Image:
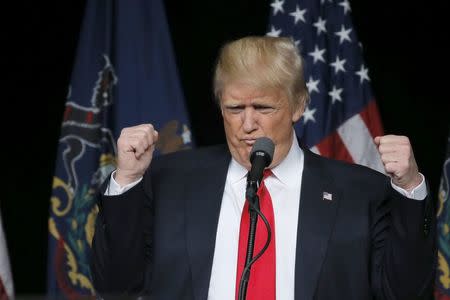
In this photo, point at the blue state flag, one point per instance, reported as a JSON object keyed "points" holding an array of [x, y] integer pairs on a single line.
{"points": [[342, 117], [442, 291], [124, 74]]}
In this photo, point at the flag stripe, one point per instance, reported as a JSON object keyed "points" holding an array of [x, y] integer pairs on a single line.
{"points": [[315, 150], [371, 118], [3, 293], [5, 268], [358, 140], [332, 146]]}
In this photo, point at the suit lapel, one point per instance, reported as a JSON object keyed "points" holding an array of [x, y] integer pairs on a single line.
{"points": [[316, 220], [203, 201]]}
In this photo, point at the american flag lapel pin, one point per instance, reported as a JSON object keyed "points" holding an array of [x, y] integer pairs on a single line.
{"points": [[327, 196]]}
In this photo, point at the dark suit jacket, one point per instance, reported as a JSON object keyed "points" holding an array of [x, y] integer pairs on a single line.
{"points": [[369, 242]]}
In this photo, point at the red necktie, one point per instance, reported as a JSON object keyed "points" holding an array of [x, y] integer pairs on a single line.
{"points": [[261, 285]]}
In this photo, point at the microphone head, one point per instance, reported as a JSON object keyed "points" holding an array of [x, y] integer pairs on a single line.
{"points": [[263, 147]]}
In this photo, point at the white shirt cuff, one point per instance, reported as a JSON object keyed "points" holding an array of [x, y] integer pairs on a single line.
{"points": [[114, 189], [418, 193]]}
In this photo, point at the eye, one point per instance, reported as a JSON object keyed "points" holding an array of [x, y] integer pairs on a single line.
{"points": [[264, 109], [235, 109]]}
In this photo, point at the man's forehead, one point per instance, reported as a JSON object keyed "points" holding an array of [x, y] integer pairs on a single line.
{"points": [[240, 92]]}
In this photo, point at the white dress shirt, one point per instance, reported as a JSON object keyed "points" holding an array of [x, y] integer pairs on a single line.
{"points": [[284, 187]]}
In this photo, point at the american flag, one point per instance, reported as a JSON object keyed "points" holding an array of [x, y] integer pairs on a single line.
{"points": [[342, 117], [327, 196]]}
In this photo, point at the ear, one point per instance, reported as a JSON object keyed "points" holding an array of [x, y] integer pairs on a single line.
{"points": [[219, 105], [221, 108], [298, 110]]}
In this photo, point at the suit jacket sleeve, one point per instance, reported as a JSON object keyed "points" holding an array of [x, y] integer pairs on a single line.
{"points": [[122, 242], [403, 246]]}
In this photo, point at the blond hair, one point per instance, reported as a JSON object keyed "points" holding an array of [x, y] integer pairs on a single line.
{"points": [[263, 62]]}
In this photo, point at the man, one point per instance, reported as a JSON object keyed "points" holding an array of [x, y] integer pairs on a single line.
{"points": [[170, 228]]}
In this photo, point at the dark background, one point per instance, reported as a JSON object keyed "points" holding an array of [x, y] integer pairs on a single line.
{"points": [[403, 48]]}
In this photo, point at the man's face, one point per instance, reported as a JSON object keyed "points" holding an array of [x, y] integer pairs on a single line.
{"points": [[250, 113]]}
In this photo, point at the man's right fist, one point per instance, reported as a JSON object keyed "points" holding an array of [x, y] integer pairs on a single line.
{"points": [[135, 148]]}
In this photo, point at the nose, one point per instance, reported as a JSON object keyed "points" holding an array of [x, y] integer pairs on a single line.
{"points": [[249, 120]]}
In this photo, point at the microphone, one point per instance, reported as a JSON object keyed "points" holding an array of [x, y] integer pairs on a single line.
{"points": [[260, 157]]}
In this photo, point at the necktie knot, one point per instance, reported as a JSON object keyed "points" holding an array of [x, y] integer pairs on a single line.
{"points": [[267, 173]]}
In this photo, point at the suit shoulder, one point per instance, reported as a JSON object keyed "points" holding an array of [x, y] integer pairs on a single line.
{"points": [[342, 171], [192, 158]]}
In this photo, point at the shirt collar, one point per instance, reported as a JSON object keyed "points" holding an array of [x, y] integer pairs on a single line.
{"points": [[236, 171], [290, 165]]}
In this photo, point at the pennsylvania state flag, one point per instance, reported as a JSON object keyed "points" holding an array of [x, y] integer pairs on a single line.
{"points": [[442, 291], [124, 74]]}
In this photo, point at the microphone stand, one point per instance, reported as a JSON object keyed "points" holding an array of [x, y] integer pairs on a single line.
{"points": [[250, 194]]}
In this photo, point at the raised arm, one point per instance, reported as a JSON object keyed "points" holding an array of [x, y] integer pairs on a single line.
{"points": [[122, 238], [403, 230]]}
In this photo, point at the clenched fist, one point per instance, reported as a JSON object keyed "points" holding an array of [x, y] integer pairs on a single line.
{"points": [[398, 160], [135, 148]]}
